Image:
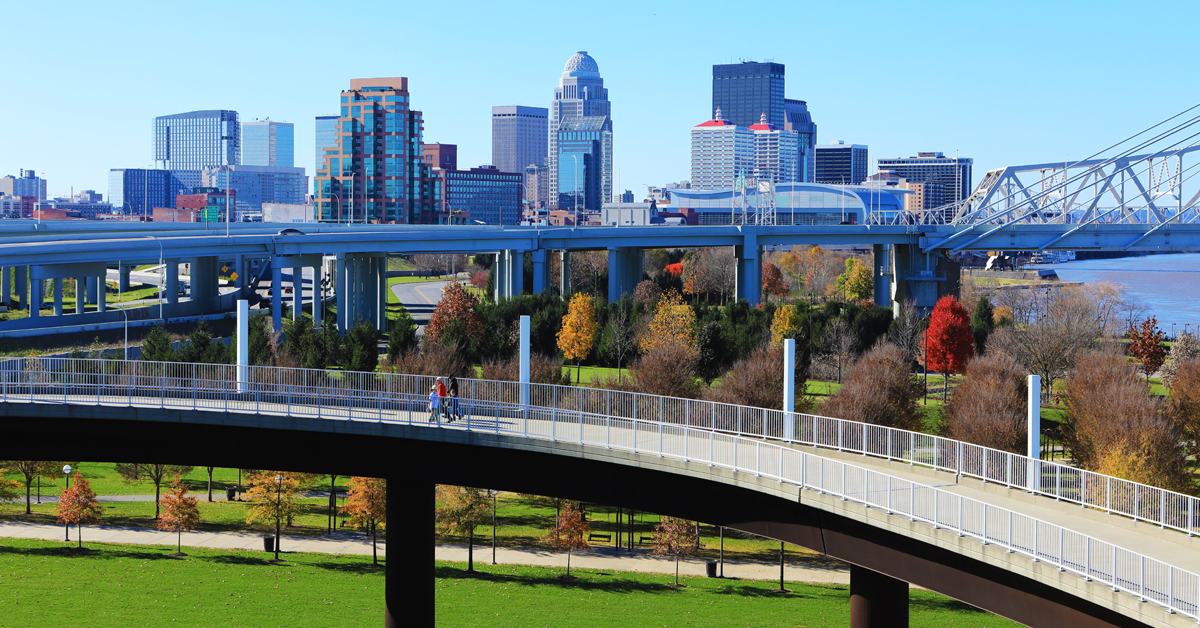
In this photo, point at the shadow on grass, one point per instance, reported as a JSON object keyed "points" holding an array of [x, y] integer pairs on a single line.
{"points": [[941, 604], [760, 589], [582, 582], [103, 552]]}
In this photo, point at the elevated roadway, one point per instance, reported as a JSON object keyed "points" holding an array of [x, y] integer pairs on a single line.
{"points": [[1036, 560]]}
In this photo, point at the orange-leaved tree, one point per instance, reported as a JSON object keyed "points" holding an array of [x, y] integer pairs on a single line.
{"points": [[673, 324], [950, 343], [461, 509], [675, 537], [1146, 345], [273, 498], [155, 472], [783, 324], [32, 469], [568, 532], [78, 505], [457, 309], [772, 281], [578, 332], [367, 507], [179, 512], [9, 488]]}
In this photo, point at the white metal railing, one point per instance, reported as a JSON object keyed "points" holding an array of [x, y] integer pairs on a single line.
{"points": [[401, 399], [1167, 509]]}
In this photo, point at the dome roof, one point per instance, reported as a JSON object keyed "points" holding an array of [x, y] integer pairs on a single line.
{"points": [[581, 62]]}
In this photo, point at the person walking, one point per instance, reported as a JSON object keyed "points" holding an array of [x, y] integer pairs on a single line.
{"points": [[455, 410], [441, 391], [434, 404]]}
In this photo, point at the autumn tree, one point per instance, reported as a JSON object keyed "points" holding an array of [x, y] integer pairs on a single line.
{"points": [[646, 293], [878, 390], [156, 473], [32, 469], [839, 345], [1185, 348], [1184, 404], [905, 330], [568, 532], [949, 343], [783, 324], [458, 309], [78, 505], [1050, 333], [1146, 345], [856, 282], [9, 488], [988, 407], [674, 324], [578, 332], [791, 264], [621, 339], [773, 283], [273, 498], [817, 270], [179, 512], [367, 506], [675, 537], [461, 509]]}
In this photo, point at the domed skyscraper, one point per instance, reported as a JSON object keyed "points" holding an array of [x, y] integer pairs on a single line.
{"points": [[580, 133]]}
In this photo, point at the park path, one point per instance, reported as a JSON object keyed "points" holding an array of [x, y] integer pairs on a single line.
{"points": [[604, 559]]}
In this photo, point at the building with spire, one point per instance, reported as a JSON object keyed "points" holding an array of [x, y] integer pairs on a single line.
{"points": [[776, 152], [580, 155], [722, 151]]}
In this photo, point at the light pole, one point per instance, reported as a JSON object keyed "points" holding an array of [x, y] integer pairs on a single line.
{"points": [[339, 205], [575, 184], [67, 474], [493, 493], [278, 489]]}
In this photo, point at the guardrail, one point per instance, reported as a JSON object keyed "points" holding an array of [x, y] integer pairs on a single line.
{"points": [[1167, 509], [372, 397]]}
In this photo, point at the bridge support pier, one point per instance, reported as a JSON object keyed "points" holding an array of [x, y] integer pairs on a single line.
{"points": [[876, 600], [5, 290], [123, 277], [276, 298], [541, 276], [35, 297], [409, 586], [22, 287], [749, 270], [882, 273], [205, 277], [564, 273], [624, 271], [922, 277], [508, 274], [58, 296], [172, 281]]}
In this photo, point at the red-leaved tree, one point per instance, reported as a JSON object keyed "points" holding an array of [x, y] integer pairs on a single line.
{"points": [[179, 512], [773, 283], [568, 532], [1146, 345], [78, 505], [458, 308], [949, 341]]}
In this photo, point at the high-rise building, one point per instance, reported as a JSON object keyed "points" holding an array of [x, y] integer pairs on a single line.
{"points": [[255, 185], [268, 143], [483, 194], [444, 156], [580, 137], [326, 135], [775, 152], [952, 172], [28, 184], [744, 91], [137, 191], [519, 137], [721, 150], [376, 172], [624, 197], [839, 163], [798, 119], [537, 186], [197, 140]]}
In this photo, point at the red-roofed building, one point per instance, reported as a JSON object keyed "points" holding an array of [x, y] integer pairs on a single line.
{"points": [[721, 151]]}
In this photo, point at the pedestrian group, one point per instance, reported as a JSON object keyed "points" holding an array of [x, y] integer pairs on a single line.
{"points": [[443, 400]]}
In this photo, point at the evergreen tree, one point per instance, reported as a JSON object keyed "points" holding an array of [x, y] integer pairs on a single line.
{"points": [[362, 348], [157, 346], [403, 336], [982, 323]]}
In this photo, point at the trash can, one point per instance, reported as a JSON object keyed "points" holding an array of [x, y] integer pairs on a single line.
{"points": [[231, 493], [710, 568], [268, 543]]}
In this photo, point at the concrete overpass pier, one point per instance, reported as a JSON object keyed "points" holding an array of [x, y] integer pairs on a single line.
{"points": [[624, 271], [877, 600], [748, 257], [409, 589], [508, 274], [361, 286]]}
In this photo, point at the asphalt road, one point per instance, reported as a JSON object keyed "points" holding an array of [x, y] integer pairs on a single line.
{"points": [[419, 298]]}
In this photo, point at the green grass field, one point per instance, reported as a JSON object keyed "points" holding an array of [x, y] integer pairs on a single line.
{"points": [[46, 583]]}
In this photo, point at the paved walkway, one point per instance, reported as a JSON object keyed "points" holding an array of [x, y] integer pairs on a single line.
{"points": [[606, 559]]}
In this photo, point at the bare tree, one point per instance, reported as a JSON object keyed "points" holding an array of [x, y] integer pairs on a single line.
{"points": [[839, 345], [905, 331], [879, 391], [622, 340], [988, 407], [1059, 327]]}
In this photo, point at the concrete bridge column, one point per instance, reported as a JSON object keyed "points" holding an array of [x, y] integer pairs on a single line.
{"points": [[276, 298], [239, 267], [80, 294], [95, 292], [370, 291], [382, 282], [882, 274], [205, 277], [541, 278], [502, 275], [297, 292], [922, 277], [624, 271], [171, 286], [340, 286], [564, 273], [317, 303], [58, 297], [749, 275], [35, 297], [876, 600], [123, 277], [5, 286], [409, 575], [22, 273], [516, 261]]}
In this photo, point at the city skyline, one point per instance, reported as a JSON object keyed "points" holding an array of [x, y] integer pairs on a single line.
{"points": [[1075, 112]]}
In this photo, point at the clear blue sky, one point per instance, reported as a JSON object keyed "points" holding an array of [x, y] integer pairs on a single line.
{"points": [[1008, 83]]}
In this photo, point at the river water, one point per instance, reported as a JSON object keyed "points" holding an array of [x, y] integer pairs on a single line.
{"points": [[1167, 285]]}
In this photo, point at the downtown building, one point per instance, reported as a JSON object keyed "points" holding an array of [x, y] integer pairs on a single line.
{"points": [[137, 191], [723, 152], [839, 163], [375, 173], [187, 143], [326, 138], [483, 195], [268, 143], [519, 142], [953, 173], [254, 185], [27, 184], [749, 91], [580, 159]]}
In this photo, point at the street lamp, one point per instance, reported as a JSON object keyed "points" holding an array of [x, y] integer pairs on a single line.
{"points": [[339, 205], [67, 473], [278, 489], [493, 493]]}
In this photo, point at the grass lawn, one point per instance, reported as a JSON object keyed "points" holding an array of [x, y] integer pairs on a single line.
{"points": [[44, 583]]}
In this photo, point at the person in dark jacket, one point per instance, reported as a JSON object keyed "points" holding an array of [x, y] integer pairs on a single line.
{"points": [[454, 409]]}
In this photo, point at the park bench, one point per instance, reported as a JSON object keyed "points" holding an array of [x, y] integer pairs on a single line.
{"points": [[645, 539], [607, 538]]}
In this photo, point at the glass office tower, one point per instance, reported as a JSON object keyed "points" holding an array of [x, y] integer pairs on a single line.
{"points": [[326, 138], [268, 143], [197, 140], [137, 191], [952, 172], [581, 115], [744, 91]]}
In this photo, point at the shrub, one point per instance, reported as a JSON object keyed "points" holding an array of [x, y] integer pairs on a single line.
{"points": [[542, 370], [878, 390], [758, 381], [668, 370], [435, 358], [989, 406], [1185, 403], [1185, 348]]}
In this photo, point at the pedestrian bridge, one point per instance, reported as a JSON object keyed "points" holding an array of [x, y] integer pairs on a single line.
{"points": [[1038, 542]]}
